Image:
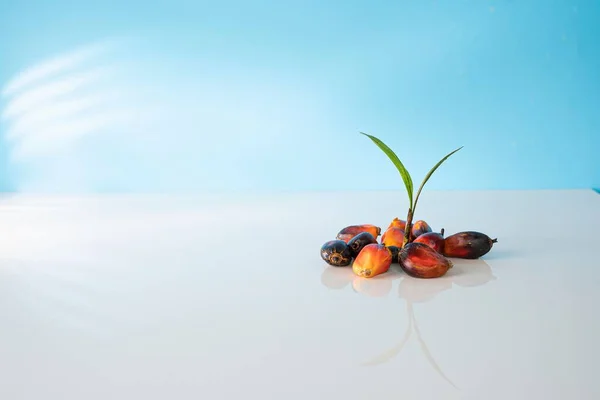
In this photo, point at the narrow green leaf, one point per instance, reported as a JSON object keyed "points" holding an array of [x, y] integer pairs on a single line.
{"points": [[403, 172], [432, 171]]}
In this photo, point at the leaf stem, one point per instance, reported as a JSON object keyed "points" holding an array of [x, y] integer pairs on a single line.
{"points": [[408, 227]]}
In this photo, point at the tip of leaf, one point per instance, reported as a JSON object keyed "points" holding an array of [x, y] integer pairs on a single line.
{"points": [[454, 151]]}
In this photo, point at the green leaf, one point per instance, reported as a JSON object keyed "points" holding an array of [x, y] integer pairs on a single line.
{"points": [[403, 172], [432, 171]]}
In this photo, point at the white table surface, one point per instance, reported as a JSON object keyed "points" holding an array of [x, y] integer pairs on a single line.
{"points": [[175, 297]]}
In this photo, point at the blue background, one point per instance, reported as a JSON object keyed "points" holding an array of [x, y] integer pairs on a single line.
{"points": [[271, 95]]}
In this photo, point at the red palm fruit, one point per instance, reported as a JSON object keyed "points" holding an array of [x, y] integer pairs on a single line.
{"points": [[359, 241], [393, 237], [398, 223], [468, 244], [432, 239], [419, 228], [421, 261], [373, 259], [350, 231]]}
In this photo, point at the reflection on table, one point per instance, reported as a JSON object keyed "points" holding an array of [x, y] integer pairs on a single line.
{"points": [[465, 273]]}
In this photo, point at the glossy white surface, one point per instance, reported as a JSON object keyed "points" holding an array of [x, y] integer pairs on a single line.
{"points": [[158, 297]]}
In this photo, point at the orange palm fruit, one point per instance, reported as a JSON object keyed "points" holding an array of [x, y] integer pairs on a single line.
{"points": [[421, 261], [398, 223], [350, 231], [373, 259], [419, 228], [393, 237]]}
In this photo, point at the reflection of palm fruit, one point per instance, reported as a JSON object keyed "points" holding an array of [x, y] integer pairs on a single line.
{"points": [[373, 259], [419, 228], [350, 231], [372, 287], [480, 273], [422, 290], [398, 223], [393, 237], [468, 245], [336, 278], [359, 241], [421, 261], [336, 253], [432, 239]]}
